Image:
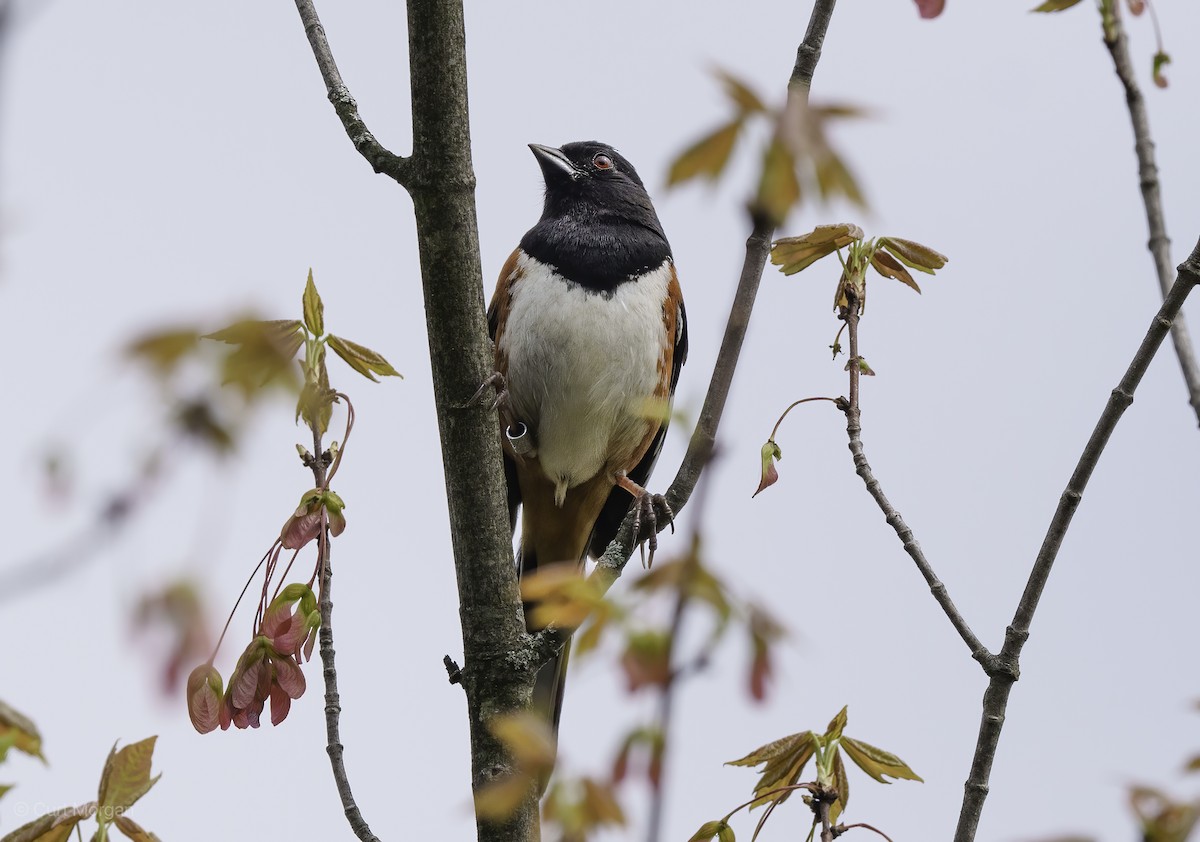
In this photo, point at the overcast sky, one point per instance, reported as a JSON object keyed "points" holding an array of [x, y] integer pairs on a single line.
{"points": [[166, 163]]}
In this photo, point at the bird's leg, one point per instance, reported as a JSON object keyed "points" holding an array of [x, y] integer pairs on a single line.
{"points": [[648, 509], [495, 381]]}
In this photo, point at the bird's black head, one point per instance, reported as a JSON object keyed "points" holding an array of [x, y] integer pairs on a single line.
{"points": [[598, 226]]}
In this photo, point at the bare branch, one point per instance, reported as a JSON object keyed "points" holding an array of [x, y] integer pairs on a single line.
{"points": [[758, 246], [863, 468], [380, 159], [333, 701], [1159, 244], [1006, 669]]}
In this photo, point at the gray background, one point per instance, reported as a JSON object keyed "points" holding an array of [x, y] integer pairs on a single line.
{"points": [[168, 162]]}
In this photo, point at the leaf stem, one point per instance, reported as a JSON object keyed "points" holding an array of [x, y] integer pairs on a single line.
{"points": [[795, 404]]}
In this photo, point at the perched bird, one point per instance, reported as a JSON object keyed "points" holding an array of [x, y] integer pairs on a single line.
{"points": [[590, 334]]}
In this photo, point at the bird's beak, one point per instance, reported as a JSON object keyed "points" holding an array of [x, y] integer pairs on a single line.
{"points": [[554, 163]]}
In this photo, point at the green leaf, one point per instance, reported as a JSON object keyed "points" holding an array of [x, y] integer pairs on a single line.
{"points": [[778, 186], [4, 789], [1055, 5], [1161, 60], [52, 827], [725, 834], [19, 732], [314, 308], [743, 97], [842, 783], [793, 254], [255, 330], [712, 830], [914, 255], [890, 267], [785, 760], [126, 775], [164, 350], [770, 474], [876, 762], [362, 359], [706, 157], [836, 726], [834, 177], [134, 831]]}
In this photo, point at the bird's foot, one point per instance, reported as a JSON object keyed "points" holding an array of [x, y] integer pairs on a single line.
{"points": [[648, 511], [494, 381]]}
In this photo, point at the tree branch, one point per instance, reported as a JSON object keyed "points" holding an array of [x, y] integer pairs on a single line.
{"points": [[333, 702], [863, 468], [1159, 244], [610, 565], [497, 675], [995, 698], [380, 159]]}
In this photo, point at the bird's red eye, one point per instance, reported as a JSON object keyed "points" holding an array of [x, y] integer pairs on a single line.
{"points": [[602, 162]]}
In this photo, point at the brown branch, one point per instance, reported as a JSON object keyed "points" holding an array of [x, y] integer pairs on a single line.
{"points": [[380, 159], [610, 565], [1006, 669], [1159, 244], [333, 701], [863, 468], [497, 673]]}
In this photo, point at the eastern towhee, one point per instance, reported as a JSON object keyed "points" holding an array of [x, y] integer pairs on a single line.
{"points": [[590, 334]]}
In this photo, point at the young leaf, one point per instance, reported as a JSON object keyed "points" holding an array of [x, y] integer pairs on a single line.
{"points": [[743, 97], [876, 762], [165, 349], [126, 775], [1161, 60], [791, 254], [1055, 5], [785, 760], [834, 177], [254, 330], [20, 732], [528, 737], [707, 157], [133, 830], [708, 831], [314, 308], [890, 267], [842, 783], [914, 255], [770, 474], [836, 725], [52, 827], [778, 186], [362, 359], [929, 9]]}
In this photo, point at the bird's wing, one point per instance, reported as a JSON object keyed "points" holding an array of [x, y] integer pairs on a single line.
{"points": [[497, 317]]}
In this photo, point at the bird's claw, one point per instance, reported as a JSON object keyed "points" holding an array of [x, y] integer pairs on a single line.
{"points": [[648, 510], [495, 381]]}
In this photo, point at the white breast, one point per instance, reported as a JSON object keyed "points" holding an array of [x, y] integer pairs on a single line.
{"points": [[582, 365]]}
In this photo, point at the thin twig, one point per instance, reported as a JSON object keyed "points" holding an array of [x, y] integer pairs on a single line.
{"points": [[1160, 245], [842, 828], [333, 702], [1006, 671], [666, 701], [380, 159], [610, 565], [822, 807], [863, 468]]}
